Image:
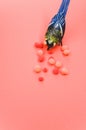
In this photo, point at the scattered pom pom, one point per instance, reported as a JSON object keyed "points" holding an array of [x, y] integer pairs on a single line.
{"points": [[58, 64], [38, 45], [41, 45], [40, 52], [41, 79], [37, 69], [51, 61], [66, 52], [64, 71], [55, 71], [41, 58], [45, 70]]}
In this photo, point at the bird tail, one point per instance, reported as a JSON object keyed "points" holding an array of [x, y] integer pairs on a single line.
{"points": [[64, 7]]}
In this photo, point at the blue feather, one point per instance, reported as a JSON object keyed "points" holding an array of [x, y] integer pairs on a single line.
{"points": [[63, 8], [60, 16]]}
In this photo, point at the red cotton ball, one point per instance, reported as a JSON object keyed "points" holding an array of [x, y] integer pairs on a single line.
{"points": [[58, 64], [38, 45], [41, 58], [40, 52], [55, 71], [41, 79], [41, 45], [64, 71], [37, 69], [51, 61], [66, 52], [45, 70]]}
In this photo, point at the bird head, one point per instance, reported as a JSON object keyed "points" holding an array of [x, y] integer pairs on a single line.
{"points": [[52, 36], [51, 40]]}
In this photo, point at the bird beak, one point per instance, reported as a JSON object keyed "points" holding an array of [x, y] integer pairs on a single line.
{"points": [[54, 44]]}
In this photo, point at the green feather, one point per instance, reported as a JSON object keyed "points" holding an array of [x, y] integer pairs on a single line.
{"points": [[53, 36]]}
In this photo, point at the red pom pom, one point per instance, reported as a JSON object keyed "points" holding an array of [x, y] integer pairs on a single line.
{"points": [[41, 79], [51, 61], [66, 52], [41, 45], [40, 52], [58, 64], [64, 71], [55, 71], [41, 58], [38, 45], [37, 68], [45, 70]]}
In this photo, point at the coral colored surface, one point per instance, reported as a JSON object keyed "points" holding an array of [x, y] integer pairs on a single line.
{"points": [[57, 103]]}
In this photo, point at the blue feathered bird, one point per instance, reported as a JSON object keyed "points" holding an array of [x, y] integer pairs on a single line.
{"points": [[56, 28]]}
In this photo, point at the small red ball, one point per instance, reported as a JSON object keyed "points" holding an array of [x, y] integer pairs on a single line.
{"points": [[58, 64], [45, 70], [38, 45], [37, 69], [41, 58], [66, 52], [51, 60], [41, 45], [40, 52], [55, 71], [41, 79], [64, 71]]}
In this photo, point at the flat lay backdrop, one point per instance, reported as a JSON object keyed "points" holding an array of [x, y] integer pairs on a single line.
{"points": [[59, 103]]}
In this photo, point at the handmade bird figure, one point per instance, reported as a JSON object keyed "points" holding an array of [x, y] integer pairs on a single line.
{"points": [[56, 28]]}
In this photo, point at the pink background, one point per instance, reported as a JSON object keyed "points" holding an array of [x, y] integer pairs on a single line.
{"points": [[59, 103]]}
